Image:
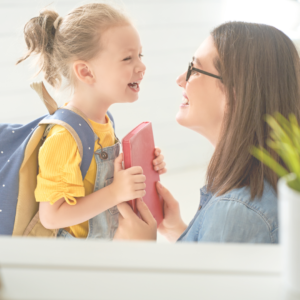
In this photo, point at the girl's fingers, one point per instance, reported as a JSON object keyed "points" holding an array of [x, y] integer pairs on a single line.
{"points": [[139, 186], [139, 178], [160, 166], [158, 160], [163, 171], [157, 151], [139, 194], [135, 170]]}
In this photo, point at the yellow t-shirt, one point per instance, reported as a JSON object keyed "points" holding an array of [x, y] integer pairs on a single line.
{"points": [[59, 172]]}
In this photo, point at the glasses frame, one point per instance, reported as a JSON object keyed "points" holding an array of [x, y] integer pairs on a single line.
{"points": [[191, 69]]}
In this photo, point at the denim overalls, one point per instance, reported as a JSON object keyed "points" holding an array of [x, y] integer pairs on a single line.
{"points": [[104, 225]]}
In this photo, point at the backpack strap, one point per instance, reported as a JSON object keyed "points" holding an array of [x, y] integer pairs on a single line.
{"points": [[45, 97], [79, 128]]}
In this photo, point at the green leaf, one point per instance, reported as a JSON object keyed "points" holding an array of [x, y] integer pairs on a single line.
{"points": [[265, 157]]}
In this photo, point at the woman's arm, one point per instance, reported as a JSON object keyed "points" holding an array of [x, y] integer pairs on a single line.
{"points": [[127, 184], [172, 225]]}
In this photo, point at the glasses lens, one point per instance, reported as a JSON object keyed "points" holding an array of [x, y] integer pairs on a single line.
{"points": [[188, 74]]}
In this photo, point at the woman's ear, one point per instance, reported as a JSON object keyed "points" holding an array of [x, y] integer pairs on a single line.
{"points": [[83, 72]]}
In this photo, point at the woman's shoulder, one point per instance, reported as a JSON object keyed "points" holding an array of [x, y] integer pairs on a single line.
{"points": [[264, 207], [234, 217]]}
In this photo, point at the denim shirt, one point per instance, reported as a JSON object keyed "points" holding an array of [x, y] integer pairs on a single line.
{"points": [[234, 217]]}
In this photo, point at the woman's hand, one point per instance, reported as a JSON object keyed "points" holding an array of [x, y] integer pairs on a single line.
{"points": [[131, 227], [158, 163], [172, 225]]}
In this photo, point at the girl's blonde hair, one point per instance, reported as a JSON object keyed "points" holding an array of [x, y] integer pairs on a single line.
{"points": [[60, 41]]}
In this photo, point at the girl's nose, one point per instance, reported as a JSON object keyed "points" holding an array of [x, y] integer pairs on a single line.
{"points": [[181, 80], [141, 68]]}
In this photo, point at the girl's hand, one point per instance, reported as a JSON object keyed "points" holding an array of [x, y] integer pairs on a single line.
{"points": [[127, 184], [131, 227], [172, 225], [158, 163]]}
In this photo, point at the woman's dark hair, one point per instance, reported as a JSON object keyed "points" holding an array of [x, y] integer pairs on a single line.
{"points": [[260, 71]]}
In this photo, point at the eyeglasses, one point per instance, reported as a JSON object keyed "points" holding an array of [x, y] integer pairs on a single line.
{"points": [[191, 69]]}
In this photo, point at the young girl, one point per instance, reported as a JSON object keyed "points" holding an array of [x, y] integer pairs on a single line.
{"points": [[98, 51]]}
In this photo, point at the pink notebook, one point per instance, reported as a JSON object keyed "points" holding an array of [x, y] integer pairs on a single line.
{"points": [[138, 148]]}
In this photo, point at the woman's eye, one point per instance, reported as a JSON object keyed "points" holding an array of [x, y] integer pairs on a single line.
{"points": [[127, 58], [141, 55]]}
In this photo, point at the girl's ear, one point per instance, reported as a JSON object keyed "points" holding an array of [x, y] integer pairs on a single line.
{"points": [[83, 72]]}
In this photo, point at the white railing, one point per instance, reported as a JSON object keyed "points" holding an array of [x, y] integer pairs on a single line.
{"points": [[57, 269]]}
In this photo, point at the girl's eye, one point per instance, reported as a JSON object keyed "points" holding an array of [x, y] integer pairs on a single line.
{"points": [[129, 57]]}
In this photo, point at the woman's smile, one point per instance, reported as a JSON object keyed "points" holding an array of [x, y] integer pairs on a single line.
{"points": [[185, 100]]}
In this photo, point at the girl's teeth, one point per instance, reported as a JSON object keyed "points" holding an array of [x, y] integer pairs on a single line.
{"points": [[133, 85]]}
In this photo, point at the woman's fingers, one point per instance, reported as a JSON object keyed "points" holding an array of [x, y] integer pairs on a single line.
{"points": [[166, 195], [125, 210], [145, 212]]}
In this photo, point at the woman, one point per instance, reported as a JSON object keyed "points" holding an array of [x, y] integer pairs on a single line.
{"points": [[241, 72]]}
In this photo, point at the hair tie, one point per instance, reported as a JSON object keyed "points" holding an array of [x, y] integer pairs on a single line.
{"points": [[56, 22]]}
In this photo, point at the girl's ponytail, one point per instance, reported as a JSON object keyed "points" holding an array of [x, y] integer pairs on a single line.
{"points": [[39, 33]]}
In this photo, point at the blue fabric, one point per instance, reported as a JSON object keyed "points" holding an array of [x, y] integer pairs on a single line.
{"points": [[13, 142], [233, 217]]}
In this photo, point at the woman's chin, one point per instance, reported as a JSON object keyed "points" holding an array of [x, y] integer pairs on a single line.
{"points": [[182, 117]]}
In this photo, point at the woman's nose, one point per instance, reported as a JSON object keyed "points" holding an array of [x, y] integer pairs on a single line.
{"points": [[181, 80]]}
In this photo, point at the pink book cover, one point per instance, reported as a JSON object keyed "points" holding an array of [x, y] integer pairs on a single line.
{"points": [[138, 148]]}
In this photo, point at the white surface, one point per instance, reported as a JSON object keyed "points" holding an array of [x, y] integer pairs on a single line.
{"points": [[51, 269], [289, 201]]}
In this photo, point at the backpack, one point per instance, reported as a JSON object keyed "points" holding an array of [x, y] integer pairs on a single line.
{"points": [[19, 148]]}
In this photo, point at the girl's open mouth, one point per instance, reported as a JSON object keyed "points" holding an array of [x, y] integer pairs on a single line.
{"points": [[134, 86]]}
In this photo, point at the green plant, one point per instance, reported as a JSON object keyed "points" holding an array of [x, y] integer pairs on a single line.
{"points": [[285, 141]]}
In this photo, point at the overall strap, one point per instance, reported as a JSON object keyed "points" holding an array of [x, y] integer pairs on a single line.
{"points": [[112, 119]]}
